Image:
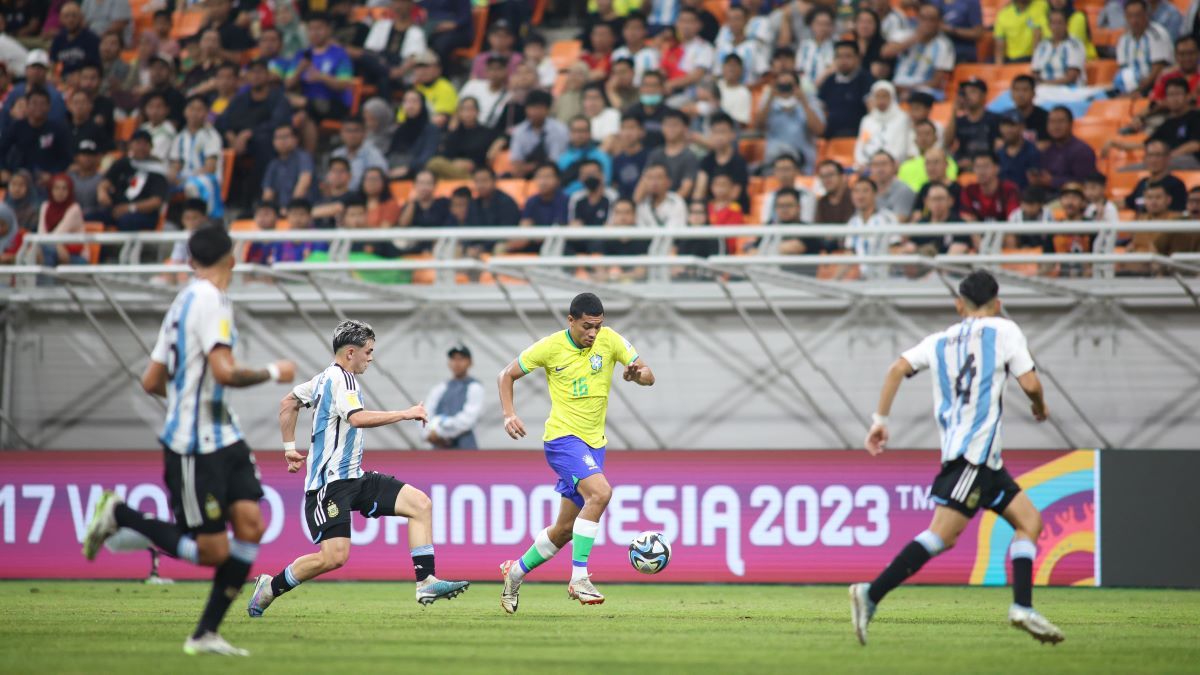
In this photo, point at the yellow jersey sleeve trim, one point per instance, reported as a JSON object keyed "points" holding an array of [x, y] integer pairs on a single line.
{"points": [[522, 365]]}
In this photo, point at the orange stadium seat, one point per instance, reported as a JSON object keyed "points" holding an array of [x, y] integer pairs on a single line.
{"points": [[941, 112], [245, 225], [1096, 131], [356, 95], [1105, 37], [998, 78], [753, 150], [479, 19], [1190, 178], [719, 8], [92, 251], [1122, 183], [124, 128], [400, 190], [840, 150], [1100, 71], [539, 10], [446, 187], [1027, 269], [503, 163], [1120, 109]]}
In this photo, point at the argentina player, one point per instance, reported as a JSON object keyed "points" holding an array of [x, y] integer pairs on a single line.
{"points": [[335, 483], [969, 363], [210, 472]]}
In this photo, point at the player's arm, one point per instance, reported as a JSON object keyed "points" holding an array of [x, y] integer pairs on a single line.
{"points": [[1032, 386], [227, 372], [877, 437], [154, 379], [511, 373], [289, 412], [639, 373], [369, 419]]}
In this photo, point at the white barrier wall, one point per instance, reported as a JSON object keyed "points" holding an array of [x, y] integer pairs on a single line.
{"points": [[716, 388]]}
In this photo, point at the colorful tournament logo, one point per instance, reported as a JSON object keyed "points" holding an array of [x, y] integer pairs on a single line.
{"points": [[1064, 490]]}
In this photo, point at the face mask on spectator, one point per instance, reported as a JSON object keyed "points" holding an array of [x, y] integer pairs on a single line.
{"points": [[591, 183], [651, 99]]}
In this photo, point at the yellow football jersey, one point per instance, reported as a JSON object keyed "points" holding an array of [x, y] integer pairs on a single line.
{"points": [[579, 380]]}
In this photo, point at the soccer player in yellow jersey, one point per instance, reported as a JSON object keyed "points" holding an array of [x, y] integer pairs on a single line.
{"points": [[579, 365]]}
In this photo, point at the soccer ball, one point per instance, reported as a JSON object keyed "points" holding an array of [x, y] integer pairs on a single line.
{"points": [[649, 552]]}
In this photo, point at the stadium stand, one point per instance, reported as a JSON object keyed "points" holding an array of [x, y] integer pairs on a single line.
{"points": [[154, 116]]}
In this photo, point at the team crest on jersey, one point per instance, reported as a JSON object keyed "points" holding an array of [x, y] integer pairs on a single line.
{"points": [[591, 463], [973, 499], [211, 508], [597, 362], [332, 509]]}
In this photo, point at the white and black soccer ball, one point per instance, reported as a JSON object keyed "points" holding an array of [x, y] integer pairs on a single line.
{"points": [[649, 552]]}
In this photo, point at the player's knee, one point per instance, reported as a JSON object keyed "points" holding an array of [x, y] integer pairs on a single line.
{"points": [[1033, 529], [422, 505], [213, 551], [334, 559], [600, 497], [251, 530]]}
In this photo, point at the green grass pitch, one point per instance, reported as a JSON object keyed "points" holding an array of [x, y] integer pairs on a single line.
{"points": [[112, 627]]}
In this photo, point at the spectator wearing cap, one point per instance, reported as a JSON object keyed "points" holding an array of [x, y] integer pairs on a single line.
{"points": [[1066, 158], [926, 55], [844, 93], [37, 76], [360, 155], [322, 75], [540, 138], [440, 95], [500, 42], [455, 405], [85, 174], [36, 143], [1033, 116], [75, 44], [290, 175], [133, 191], [12, 52], [162, 83], [248, 128], [974, 128], [1018, 27], [1018, 155]]}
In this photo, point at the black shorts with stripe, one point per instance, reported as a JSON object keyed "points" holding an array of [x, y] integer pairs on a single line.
{"points": [[327, 509], [966, 487], [203, 486]]}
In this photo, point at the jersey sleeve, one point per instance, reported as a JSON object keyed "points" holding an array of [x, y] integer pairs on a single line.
{"points": [[620, 349], [214, 321], [306, 392], [535, 356], [921, 356], [346, 398], [1016, 351]]}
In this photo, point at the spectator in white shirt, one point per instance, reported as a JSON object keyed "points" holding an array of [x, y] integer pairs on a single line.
{"points": [[644, 56], [926, 56], [814, 58], [491, 94], [736, 99], [1142, 52], [699, 56], [754, 55], [660, 207], [885, 127], [455, 405], [196, 150]]}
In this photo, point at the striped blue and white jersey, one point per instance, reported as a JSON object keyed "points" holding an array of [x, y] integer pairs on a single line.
{"points": [[644, 60], [1136, 55], [1052, 60], [199, 420], [813, 58], [663, 12], [920, 62], [193, 149], [754, 56], [336, 450], [970, 362]]}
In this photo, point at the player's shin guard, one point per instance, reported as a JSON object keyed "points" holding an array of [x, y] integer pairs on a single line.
{"points": [[542, 550], [912, 557], [283, 582], [422, 557], [583, 535], [227, 583], [164, 535], [1022, 552]]}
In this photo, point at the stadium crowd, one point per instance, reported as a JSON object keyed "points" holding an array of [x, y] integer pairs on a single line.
{"points": [[132, 115]]}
